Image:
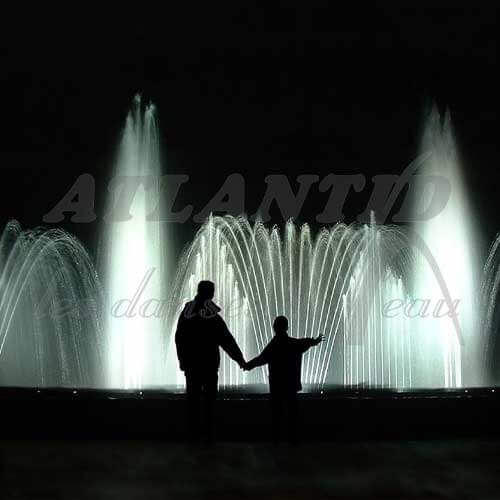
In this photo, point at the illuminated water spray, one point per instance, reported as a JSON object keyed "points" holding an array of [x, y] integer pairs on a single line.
{"points": [[333, 284], [135, 261], [337, 282], [341, 282], [451, 354], [50, 299]]}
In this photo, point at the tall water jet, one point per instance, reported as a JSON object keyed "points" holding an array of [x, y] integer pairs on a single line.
{"points": [[50, 299], [134, 258], [450, 350]]}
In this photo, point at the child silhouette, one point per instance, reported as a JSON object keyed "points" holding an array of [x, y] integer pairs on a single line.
{"points": [[283, 354]]}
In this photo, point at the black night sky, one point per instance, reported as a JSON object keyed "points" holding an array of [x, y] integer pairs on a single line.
{"points": [[255, 91]]}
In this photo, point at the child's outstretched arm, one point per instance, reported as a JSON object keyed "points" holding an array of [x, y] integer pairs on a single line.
{"points": [[307, 343], [262, 359]]}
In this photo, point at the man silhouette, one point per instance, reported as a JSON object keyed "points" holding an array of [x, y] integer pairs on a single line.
{"points": [[200, 333], [283, 354]]}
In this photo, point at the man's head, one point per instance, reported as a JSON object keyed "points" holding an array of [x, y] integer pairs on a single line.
{"points": [[280, 324], [206, 290]]}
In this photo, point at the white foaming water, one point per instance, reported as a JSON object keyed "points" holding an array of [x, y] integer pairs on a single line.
{"points": [[451, 352], [135, 260]]}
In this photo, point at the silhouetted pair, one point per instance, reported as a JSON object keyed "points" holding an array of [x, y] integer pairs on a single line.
{"points": [[200, 333]]}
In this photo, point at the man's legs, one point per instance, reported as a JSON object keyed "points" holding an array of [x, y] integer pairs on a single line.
{"points": [[210, 386], [193, 396]]}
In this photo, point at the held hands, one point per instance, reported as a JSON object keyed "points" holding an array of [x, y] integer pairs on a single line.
{"points": [[244, 365]]}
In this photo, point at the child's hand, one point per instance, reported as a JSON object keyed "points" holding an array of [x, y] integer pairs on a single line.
{"points": [[319, 339]]}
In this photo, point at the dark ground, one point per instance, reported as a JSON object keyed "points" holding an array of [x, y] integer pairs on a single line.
{"points": [[244, 416], [95, 444], [465, 469]]}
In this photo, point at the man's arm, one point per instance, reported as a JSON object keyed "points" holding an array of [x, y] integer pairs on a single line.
{"points": [[229, 344], [180, 340]]}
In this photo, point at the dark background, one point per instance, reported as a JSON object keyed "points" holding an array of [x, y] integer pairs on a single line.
{"points": [[257, 91]]}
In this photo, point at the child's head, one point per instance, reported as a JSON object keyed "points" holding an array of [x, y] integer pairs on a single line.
{"points": [[280, 324]]}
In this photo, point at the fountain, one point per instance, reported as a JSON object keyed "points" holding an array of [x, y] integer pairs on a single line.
{"points": [[341, 283], [50, 299], [490, 317], [334, 284], [134, 258], [451, 352], [357, 284]]}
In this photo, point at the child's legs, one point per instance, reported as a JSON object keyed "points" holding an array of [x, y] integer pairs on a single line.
{"points": [[292, 406], [278, 416]]}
